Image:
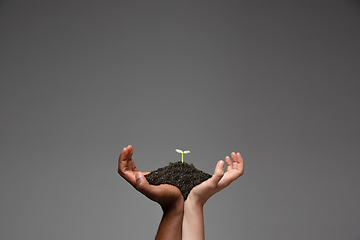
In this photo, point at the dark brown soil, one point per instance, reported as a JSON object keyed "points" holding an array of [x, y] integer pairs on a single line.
{"points": [[181, 175]]}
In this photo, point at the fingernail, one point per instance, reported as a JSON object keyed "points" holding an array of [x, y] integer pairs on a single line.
{"points": [[137, 175], [221, 164]]}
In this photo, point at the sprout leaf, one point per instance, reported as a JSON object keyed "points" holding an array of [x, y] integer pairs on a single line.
{"points": [[182, 153]]}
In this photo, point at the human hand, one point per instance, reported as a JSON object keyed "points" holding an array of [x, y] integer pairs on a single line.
{"points": [[202, 192], [169, 197]]}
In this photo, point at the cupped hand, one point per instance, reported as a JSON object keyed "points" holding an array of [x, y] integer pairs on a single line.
{"points": [[166, 195], [126, 165], [235, 168]]}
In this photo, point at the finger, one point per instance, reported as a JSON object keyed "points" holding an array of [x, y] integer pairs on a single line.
{"points": [[229, 163], [143, 186], [131, 164], [131, 150], [122, 160], [237, 157], [218, 172], [233, 157], [240, 165]]}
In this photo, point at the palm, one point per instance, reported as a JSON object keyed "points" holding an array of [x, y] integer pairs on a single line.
{"points": [[234, 170], [203, 191], [228, 178], [219, 180], [164, 194]]}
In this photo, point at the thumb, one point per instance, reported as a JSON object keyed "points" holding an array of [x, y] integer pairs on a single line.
{"points": [[143, 186], [219, 172]]}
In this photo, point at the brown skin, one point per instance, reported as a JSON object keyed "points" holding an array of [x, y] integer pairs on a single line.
{"points": [[168, 196]]}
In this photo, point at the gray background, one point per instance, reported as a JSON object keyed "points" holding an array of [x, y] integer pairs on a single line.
{"points": [[277, 81]]}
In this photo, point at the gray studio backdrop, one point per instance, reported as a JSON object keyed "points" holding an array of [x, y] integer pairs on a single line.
{"points": [[277, 81]]}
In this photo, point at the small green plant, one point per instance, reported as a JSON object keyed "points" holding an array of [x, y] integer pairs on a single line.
{"points": [[182, 153]]}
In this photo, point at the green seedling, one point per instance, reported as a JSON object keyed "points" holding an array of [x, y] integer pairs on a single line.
{"points": [[182, 153]]}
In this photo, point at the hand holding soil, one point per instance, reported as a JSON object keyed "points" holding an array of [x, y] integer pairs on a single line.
{"points": [[202, 192], [166, 195], [193, 221]]}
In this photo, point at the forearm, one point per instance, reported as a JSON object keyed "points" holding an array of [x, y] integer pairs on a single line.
{"points": [[171, 224], [193, 221]]}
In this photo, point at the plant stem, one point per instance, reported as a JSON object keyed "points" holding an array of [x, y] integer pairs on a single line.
{"points": [[182, 157]]}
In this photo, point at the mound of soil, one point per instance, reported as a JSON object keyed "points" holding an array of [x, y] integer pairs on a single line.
{"points": [[181, 175]]}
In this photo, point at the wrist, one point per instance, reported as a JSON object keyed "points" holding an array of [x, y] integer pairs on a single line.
{"points": [[193, 202], [176, 208]]}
